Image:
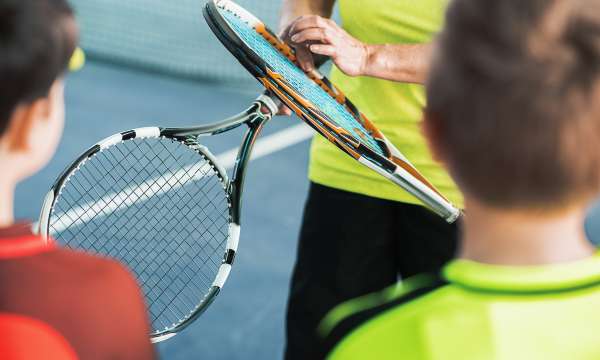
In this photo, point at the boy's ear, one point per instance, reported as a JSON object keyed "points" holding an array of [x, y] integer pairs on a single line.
{"points": [[23, 120], [432, 130]]}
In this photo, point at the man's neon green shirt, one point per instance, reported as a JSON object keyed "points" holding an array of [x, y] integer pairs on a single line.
{"points": [[395, 108], [476, 311]]}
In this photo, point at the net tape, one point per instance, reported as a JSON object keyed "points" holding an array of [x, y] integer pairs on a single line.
{"points": [[165, 36]]}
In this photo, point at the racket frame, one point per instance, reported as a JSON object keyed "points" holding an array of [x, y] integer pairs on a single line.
{"points": [[393, 166], [255, 117]]}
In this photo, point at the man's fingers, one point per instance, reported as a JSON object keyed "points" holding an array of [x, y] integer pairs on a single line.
{"points": [[306, 30], [305, 58], [285, 33], [284, 110], [313, 34], [309, 21], [327, 50]]}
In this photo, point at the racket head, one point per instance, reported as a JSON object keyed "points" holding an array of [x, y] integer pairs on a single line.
{"points": [[161, 206], [310, 95], [316, 100]]}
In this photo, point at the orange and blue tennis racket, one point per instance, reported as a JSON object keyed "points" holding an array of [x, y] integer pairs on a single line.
{"points": [[317, 101]]}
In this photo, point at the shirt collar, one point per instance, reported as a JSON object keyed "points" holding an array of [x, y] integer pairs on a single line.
{"points": [[525, 279], [19, 241]]}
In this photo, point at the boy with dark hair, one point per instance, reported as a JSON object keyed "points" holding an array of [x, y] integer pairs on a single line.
{"points": [[93, 303], [514, 114]]}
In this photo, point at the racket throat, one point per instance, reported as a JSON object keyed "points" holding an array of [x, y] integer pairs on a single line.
{"points": [[255, 124]]}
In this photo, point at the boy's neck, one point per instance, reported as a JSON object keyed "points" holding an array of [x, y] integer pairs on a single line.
{"points": [[7, 193], [505, 237]]}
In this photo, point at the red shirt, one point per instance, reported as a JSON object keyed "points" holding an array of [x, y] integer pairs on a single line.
{"points": [[93, 302]]}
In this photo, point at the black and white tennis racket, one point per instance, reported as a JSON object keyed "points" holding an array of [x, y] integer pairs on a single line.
{"points": [[160, 202]]}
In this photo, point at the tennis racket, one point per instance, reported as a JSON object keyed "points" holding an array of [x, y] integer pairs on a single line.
{"points": [[317, 101], [158, 201]]}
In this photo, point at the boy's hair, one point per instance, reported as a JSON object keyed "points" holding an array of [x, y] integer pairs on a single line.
{"points": [[514, 100], [35, 48]]}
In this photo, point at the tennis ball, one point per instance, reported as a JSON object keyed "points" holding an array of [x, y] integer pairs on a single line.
{"points": [[77, 60]]}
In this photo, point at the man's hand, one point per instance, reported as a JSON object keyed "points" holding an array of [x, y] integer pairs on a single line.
{"points": [[313, 34], [303, 54]]}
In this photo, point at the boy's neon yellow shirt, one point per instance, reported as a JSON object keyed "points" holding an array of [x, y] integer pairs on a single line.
{"points": [[395, 108], [476, 312]]}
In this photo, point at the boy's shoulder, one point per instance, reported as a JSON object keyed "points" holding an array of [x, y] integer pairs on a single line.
{"points": [[471, 308], [79, 290], [39, 261], [95, 271], [39, 269], [370, 320], [89, 264]]}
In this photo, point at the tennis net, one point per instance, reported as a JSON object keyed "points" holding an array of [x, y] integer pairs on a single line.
{"points": [[166, 36]]}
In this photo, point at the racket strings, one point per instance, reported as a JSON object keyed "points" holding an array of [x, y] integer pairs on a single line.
{"points": [[298, 80], [109, 250], [159, 207]]}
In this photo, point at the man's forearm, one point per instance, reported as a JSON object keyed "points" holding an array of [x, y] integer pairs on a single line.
{"points": [[404, 63], [292, 9], [396, 62]]}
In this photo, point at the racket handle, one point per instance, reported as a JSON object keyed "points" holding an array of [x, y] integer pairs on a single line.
{"points": [[320, 60]]}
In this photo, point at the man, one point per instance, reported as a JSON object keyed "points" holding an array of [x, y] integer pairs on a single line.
{"points": [[93, 303], [514, 114], [379, 231]]}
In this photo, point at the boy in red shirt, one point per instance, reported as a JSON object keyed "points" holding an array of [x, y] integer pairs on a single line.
{"points": [[94, 303]]}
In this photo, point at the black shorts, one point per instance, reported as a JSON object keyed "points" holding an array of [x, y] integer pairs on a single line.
{"points": [[351, 245]]}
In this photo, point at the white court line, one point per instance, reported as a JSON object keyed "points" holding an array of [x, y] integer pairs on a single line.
{"points": [[135, 194], [270, 144]]}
